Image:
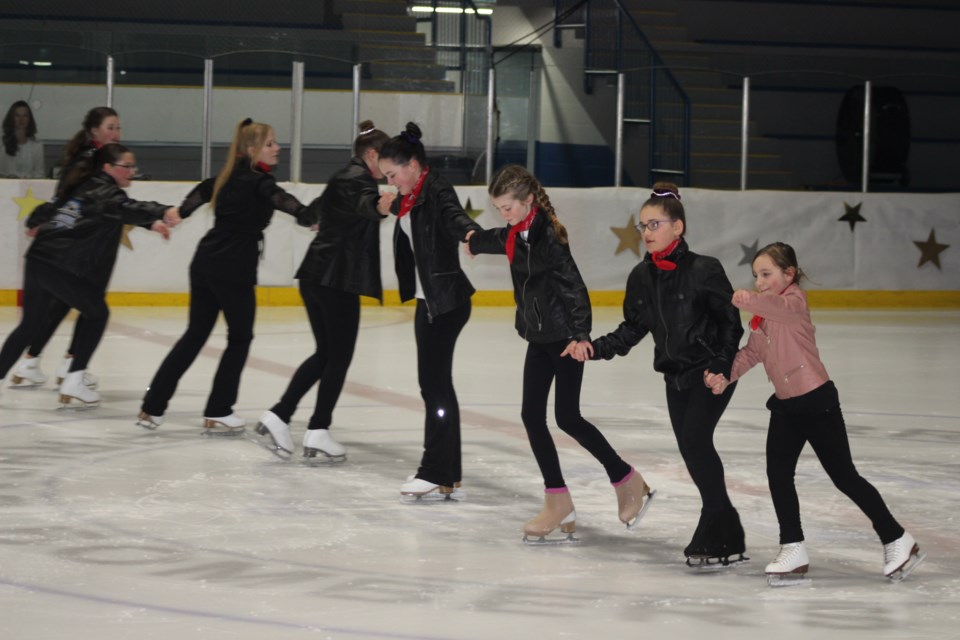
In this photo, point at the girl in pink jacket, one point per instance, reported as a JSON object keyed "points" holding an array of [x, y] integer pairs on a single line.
{"points": [[805, 408]]}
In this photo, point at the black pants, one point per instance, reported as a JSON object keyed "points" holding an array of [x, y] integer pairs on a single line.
{"points": [[694, 414], [543, 364], [436, 340], [58, 311], [816, 418], [335, 321], [208, 297], [42, 284]]}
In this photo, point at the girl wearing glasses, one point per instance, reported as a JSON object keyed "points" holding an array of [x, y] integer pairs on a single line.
{"points": [[223, 274], [101, 126], [553, 316], [75, 244], [683, 299]]}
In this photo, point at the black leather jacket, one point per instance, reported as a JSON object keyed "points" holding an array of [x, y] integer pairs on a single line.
{"points": [[230, 251], [345, 254], [552, 300], [439, 226], [688, 310], [80, 233]]}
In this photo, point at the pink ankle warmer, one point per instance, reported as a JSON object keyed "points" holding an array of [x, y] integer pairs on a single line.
{"points": [[557, 490], [625, 478]]}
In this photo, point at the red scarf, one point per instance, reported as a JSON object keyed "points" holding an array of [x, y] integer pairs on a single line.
{"points": [[521, 226], [659, 257], [756, 320], [264, 167], [408, 200]]}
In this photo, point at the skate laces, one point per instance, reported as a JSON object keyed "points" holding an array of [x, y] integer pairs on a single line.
{"points": [[788, 552], [892, 549]]}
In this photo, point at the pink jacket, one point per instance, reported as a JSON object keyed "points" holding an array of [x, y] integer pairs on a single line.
{"points": [[784, 342]]}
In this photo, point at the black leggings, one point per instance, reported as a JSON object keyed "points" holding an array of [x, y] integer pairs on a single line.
{"points": [[543, 364], [335, 320], [42, 284], [208, 297], [436, 339], [694, 414], [58, 311], [816, 418]]}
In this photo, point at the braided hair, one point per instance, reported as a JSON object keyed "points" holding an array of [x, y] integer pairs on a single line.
{"points": [[516, 181]]}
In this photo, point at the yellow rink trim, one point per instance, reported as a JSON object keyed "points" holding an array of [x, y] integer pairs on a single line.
{"points": [[290, 296]]}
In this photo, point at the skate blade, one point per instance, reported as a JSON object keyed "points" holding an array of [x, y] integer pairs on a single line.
{"points": [[69, 403], [433, 497], [16, 382], [714, 563], [146, 424], [643, 510], [787, 580], [263, 438], [220, 431], [543, 541], [322, 459], [903, 572]]}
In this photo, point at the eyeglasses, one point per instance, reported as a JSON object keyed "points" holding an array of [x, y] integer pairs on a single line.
{"points": [[653, 225], [132, 167]]}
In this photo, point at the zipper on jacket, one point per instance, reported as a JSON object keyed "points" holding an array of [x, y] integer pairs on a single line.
{"points": [[523, 296]]}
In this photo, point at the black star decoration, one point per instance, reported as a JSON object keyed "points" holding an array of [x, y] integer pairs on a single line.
{"points": [[749, 252], [930, 250], [852, 215], [473, 213]]}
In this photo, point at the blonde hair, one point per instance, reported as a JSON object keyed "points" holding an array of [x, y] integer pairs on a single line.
{"points": [[518, 182], [248, 140]]}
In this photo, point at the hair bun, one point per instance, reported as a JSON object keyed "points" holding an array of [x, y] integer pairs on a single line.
{"points": [[664, 190], [366, 127]]}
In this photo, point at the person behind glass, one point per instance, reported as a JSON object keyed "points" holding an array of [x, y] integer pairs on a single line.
{"points": [[341, 264], [804, 407], [76, 237], [223, 274], [430, 224], [553, 316], [101, 126], [22, 155], [683, 299]]}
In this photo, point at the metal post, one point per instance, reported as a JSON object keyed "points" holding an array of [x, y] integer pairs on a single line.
{"points": [[357, 73], [491, 125], [744, 133], [618, 154], [296, 130], [865, 177], [110, 81], [205, 146]]}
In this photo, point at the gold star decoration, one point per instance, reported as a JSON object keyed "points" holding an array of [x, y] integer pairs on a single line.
{"points": [[629, 237], [473, 213], [852, 215], [930, 250], [27, 204], [125, 237]]}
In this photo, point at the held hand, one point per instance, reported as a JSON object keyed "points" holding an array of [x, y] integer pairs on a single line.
{"points": [[741, 297], [466, 250], [315, 227], [32, 233], [571, 350], [717, 382], [385, 202], [160, 227], [171, 217]]}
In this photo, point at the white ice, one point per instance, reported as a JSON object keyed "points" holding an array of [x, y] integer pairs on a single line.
{"points": [[108, 530]]}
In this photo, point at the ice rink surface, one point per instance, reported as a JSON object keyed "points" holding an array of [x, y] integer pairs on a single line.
{"points": [[111, 531]]}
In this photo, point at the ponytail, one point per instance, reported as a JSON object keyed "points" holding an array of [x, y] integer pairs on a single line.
{"points": [[248, 139]]}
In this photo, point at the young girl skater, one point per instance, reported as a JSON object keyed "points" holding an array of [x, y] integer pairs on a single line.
{"points": [[101, 126], [223, 274], [342, 264], [804, 408], [683, 299], [430, 225], [553, 316], [76, 240]]}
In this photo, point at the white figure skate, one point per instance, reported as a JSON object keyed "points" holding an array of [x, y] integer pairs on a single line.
{"points": [[148, 421], [227, 426], [419, 491], [27, 373], [319, 441], [901, 557], [89, 379], [276, 435], [76, 395], [790, 566]]}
